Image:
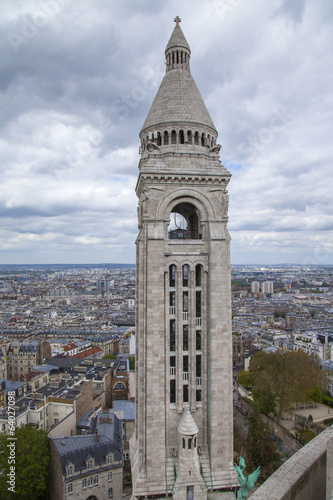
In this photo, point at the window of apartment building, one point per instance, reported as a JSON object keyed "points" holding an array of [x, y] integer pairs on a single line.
{"points": [[56, 421], [198, 395], [70, 488], [110, 492], [96, 480], [70, 471], [119, 386], [84, 483], [110, 476], [90, 481], [90, 464]]}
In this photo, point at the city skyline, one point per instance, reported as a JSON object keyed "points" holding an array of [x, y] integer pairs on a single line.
{"points": [[77, 82]]}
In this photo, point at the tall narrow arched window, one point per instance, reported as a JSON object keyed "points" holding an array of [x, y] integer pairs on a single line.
{"points": [[185, 275], [198, 270], [198, 340], [173, 137], [166, 137], [189, 136], [181, 137], [196, 138], [159, 139], [203, 139], [172, 276]]}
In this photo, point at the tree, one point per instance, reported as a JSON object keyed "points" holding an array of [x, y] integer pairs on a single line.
{"points": [[109, 356], [29, 455], [260, 447], [131, 362], [314, 394], [264, 400], [245, 378], [286, 377]]}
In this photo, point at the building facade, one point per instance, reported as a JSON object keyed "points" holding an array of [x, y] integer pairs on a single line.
{"points": [[267, 287], [183, 444]]}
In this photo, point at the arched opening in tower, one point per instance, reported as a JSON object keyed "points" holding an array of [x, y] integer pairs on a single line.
{"points": [[184, 222]]}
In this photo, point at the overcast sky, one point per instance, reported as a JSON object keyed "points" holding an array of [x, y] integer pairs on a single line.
{"points": [[77, 78]]}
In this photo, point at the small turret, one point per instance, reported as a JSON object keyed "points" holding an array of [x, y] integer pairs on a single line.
{"points": [[189, 476]]}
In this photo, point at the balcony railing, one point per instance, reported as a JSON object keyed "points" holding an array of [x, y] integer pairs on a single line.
{"points": [[198, 381], [172, 371], [172, 310], [185, 376], [185, 316], [197, 321]]}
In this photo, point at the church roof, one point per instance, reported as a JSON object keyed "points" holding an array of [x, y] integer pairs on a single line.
{"points": [[187, 426], [177, 39], [178, 98]]}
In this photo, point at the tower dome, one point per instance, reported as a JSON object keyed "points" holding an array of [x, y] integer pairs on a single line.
{"points": [[178, 114]]}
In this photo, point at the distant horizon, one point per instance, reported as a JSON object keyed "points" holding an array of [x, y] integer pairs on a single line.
{"points": [[122, 264]]}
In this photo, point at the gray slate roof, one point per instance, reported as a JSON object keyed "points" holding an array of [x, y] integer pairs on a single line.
{"points": [[78, 449], [178, 100]]}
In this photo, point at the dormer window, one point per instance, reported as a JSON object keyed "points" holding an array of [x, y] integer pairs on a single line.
{"points": [[70, 471], [90, 464]]}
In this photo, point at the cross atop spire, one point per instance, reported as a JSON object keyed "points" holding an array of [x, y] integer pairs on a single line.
{"points": [[177, 20]]}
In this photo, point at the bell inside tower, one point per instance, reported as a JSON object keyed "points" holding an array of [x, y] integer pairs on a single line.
{"points": [[184, 222]]}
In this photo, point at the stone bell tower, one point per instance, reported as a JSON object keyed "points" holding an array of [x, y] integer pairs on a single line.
{"points": [[183, 441]]}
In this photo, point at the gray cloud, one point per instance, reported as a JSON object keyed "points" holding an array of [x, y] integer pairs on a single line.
{"points": [[76, 82]]}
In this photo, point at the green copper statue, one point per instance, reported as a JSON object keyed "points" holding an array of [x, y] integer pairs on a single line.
{"points": [[246, 483]]}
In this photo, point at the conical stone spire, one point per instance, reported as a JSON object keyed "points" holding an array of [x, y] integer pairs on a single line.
{"points": [[178, 100], [187, 425], [177, 38]]}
